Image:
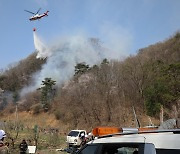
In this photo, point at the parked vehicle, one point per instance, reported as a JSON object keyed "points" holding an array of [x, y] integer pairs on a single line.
{"points": [[74, 138]]}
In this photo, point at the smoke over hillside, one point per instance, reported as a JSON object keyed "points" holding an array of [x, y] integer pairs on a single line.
{"points": [[63, 54]]}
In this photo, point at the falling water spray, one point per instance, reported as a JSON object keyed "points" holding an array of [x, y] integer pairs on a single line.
{"points": [[39, 46]]}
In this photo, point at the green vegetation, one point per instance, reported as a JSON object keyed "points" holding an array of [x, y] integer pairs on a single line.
{"points": [[81, 68], [47, 141], [47, 92], [165, 88]]}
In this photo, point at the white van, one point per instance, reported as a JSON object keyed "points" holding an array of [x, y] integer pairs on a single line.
{"points": [[74, 137]]}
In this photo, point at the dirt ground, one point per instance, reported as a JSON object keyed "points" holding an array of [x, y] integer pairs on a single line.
{"points": [[52, 151]]}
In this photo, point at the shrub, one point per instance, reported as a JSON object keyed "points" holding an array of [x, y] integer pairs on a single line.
{"points": [[58, 115], [37, 108]]}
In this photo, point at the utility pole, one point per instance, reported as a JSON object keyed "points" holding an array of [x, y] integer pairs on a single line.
{"points": [[161, 115], [136, 119], [16, 121]]}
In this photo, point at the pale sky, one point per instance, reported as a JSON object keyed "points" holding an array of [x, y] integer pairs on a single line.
{"points": [[136, 23]]}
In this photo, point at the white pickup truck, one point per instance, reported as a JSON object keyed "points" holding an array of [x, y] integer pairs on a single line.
{"points": [[74, 137]]}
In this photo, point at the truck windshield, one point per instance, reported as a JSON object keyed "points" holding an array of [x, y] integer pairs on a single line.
{"points": [[73, 133]]}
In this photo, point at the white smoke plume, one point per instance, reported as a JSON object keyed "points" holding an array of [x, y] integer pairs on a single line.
{"points": [[62, 57]]}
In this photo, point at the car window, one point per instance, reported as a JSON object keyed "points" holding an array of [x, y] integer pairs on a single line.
{"points": [[90, 149], [73, 133], [120, 149], [126, 150], [81, 134]]}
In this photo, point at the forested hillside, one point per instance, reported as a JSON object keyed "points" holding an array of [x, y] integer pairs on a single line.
{"points": [[103, 94]]}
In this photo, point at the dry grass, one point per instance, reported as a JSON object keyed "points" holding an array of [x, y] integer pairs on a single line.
{"points": [[28, 119]]}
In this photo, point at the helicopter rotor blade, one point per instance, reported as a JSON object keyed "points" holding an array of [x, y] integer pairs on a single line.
{"points": [[29, 11], [38, 10]]}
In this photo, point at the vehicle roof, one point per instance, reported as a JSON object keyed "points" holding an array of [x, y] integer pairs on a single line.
{"points": [[161, 139]]}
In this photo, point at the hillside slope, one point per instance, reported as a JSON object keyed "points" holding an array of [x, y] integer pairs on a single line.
{"points": [[103, 94]]}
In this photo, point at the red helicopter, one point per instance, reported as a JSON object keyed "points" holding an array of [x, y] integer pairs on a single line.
{"points": [[37, 16]]}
